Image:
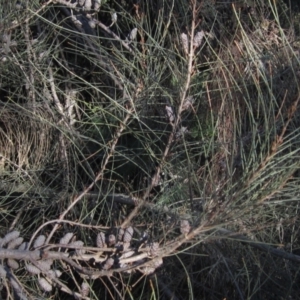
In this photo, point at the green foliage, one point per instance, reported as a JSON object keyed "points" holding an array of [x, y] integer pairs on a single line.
{"points": [[134, 123]]}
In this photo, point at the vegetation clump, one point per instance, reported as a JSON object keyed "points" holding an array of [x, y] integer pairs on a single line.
{"points": [[149, 149]]}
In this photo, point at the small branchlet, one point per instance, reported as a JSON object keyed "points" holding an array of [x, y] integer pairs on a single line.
{"points": [[116, 251]]}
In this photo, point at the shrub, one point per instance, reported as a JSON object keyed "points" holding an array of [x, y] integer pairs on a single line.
{"points": [[149, 150]]}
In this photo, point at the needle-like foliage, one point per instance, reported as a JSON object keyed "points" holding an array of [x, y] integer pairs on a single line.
{"points": [[149, 149]]}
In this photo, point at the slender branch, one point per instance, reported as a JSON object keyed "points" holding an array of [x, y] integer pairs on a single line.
{"points": [[260, 246]]}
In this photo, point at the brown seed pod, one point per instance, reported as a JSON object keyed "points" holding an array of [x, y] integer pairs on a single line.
{"points": [[152, 249], [13, 264], [15, 243], [128, 234], [32, 269], [23, 246], [45, 285], [170, 113], [185, 43], [100, 241], [120, 234], [58, 273], [126, 246], [85, 289], [108, 263], [111, 240], [87, 5], [157, 262], [54, 273], [39, 241], [97, 4], [45, 265], [185, 226], [65, 240], [197, 41], [78, 244], [9, 237], [151, 266], [133, 34]]}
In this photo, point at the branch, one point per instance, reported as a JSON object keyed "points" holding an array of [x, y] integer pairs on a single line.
{"points": [[260, 246]]}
